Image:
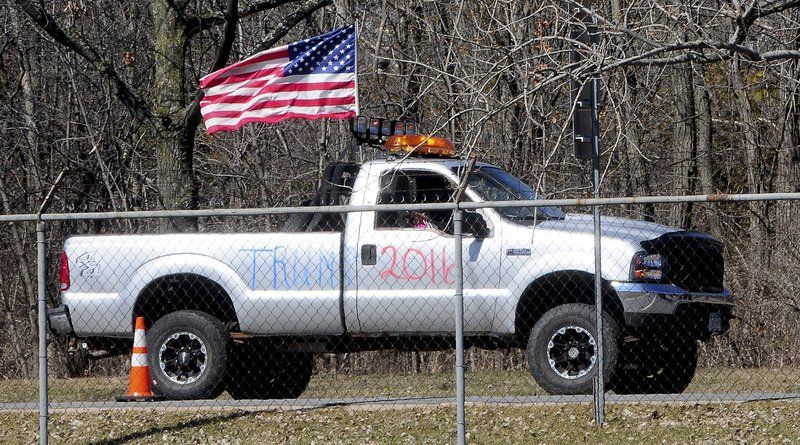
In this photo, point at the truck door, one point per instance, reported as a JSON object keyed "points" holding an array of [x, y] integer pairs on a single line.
{"points": [[406, 276]]}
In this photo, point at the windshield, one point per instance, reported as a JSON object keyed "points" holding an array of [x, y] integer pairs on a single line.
{"points": [[496, 184]]}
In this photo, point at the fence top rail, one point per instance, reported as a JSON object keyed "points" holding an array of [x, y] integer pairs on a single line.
{"points": [[579, 202]]}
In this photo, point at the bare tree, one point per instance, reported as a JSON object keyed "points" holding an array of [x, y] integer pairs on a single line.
{"points": [[173, 115]]}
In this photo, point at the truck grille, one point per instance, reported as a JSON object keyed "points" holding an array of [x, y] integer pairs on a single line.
{"points": [[693, 260], [696, 266]]}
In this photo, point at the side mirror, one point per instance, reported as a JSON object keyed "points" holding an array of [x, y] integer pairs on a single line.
{"points": [[475, 225]]}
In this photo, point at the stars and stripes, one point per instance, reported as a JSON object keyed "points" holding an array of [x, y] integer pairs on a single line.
{"points": [[309, 79]]}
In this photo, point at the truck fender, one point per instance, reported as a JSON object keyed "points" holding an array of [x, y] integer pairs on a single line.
{"points": [[507, 307], [201, 265]]}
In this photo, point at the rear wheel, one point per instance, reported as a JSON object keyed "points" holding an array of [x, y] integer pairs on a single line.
{"points": [[562, 349], [664, 366], [259, 372], [187, 353]]}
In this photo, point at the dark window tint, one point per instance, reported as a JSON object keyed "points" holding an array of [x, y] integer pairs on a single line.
{"points": [[415, 187]]}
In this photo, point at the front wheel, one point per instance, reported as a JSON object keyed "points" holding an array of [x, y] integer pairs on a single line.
{"points": [[562, 349], [187, 352]]}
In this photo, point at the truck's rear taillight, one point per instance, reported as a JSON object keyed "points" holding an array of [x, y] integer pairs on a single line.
{"points": [[64, 268]]}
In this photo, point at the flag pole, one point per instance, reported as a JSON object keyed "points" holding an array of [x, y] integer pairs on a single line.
{"points": [[353, 142], [355, 62]]}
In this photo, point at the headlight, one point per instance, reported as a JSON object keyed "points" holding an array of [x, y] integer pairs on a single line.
{"points": [[647, 267]]}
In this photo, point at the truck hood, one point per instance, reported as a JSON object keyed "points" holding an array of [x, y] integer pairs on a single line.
{"points": [[611, 227]]}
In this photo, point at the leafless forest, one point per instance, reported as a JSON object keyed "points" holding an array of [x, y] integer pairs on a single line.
{"points": [[699, 97]]}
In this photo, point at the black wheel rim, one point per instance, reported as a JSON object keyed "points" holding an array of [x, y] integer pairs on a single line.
{"points": [[572, 352], [182, 357]]}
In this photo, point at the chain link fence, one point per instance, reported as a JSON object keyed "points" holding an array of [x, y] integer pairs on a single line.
{"points": [[356, 304]]}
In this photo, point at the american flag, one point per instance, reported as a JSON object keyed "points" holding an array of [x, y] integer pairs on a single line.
{"points": [[309, 79]]}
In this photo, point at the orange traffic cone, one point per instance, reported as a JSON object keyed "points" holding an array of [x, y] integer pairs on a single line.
{"points": [[139, 389]]}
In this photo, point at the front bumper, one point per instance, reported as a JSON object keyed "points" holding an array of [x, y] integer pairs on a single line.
{"points": [[59, 320], [654, 298], [643, 302]]}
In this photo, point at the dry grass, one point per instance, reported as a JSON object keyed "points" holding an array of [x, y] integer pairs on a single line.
{"points": [[482, 383], [762, 422]]}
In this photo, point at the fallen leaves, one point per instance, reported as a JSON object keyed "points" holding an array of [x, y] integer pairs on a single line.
{"points": [[733, 423]]}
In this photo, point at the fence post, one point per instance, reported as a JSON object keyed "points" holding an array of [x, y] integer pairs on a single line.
{"points": [[599, 386], [459, 306], [41, 272], [599, 383]]}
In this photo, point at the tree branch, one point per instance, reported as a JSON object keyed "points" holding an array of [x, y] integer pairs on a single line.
{"points": [[694, 55], [263, 6], [781, 54], [35, 11], [775, 6], [304, 11], [176, 7], [693, 50], [231, 16], [228, 36], [601, 19], [196, 24], [755, 12]]}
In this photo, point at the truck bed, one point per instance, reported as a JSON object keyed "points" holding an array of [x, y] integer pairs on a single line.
{"points": [[279, 283]]}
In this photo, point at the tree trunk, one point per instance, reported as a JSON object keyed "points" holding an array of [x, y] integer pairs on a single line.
{"points": [[684, 142], [33, 181], [789, 180], [28, 288], [174, 144], [752, 159], [639, 177], [29, 85], [705, 155]]}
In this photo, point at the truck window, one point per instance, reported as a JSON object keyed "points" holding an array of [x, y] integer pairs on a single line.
{"points": [[412, 187], [495, 184]]}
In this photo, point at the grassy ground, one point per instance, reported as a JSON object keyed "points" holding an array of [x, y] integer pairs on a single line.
{"points": [[497, 383], [763, 422]]}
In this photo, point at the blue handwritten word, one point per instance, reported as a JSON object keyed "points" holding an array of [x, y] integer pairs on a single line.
{"points": [[289, 271]]}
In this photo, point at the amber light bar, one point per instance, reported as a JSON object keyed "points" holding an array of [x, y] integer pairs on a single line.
{"points": [[420, 144]]}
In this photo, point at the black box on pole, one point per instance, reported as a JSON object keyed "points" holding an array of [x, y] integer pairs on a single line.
{"points": [[584, 127]]}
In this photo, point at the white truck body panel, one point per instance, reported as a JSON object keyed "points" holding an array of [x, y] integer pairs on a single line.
{"points": [[279, 283]]}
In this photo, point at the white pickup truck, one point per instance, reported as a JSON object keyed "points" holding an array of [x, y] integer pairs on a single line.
{"points": [[244, 312]]}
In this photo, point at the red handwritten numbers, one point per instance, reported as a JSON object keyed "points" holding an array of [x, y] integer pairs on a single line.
{"points": [[413, 264]]}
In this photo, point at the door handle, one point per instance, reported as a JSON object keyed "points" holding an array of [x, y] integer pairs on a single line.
{"points": [[369, 254]]}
